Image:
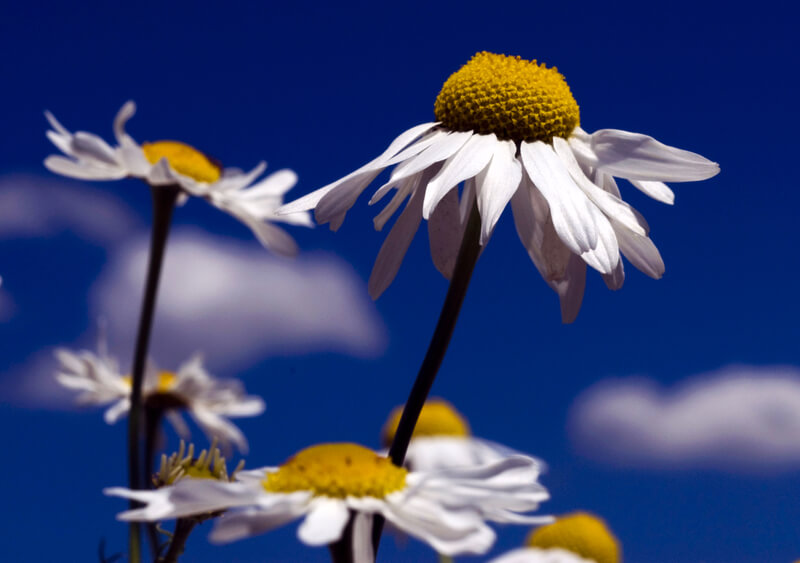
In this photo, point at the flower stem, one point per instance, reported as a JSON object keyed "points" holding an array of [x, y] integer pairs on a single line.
{"points": [[152, 424], [465, 263], [163, 203], [183, 527]]}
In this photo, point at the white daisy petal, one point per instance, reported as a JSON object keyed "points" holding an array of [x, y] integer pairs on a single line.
{"points": [[406, 187], [616, 278], [570, 289], [178, 424], [326, 519], [442, 149], [466, 163], [639, 157], [187, 497], [496, 184], [612, 206], [218, 427], [248, 522], [116, 411], [641, 252], [82, 170], [569, 207], [127, 111], [88, 145], [237, 181], [352, 181], [445, 231], [657, 190], [449, 532], [395, 246], [274, 185]]}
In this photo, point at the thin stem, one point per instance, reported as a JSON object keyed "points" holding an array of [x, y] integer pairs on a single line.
{"points": [[183, 527], [152, 424], [342, 550], [465, 264], [163, 203]]}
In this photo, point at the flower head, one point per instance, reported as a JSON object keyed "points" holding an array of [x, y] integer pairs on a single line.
{"points": [[173, 163], [208, 400], [442, 439], [324, 483], [508, 129]]}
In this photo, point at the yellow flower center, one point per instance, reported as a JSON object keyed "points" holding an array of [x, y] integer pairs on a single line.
{"points": [[183, 159], [581, 533], [438, 418], [208, 465], [339, 471], [513, 98]]}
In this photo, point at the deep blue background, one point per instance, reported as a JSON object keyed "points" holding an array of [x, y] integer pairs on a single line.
{"points": [[322, 88]]}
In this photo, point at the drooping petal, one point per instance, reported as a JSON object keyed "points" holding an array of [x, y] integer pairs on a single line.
{"points": [[610, 205], [466, 163], [570, 289], [395, 246], [657, 190], [358, 179], [115, 411], [441, 150], [88, 145], [640, 157], [256, 520], [496, 184], [445, 232], [188, 497], [82, 170], [216, 426], [641, 252], [326, 519], [570, 209], [448, 531]]}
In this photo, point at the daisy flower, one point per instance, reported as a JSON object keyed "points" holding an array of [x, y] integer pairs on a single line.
{"points": [[172, 163], [442, 439], [208, 400], [509, 129], [578, 537], [323, 484]]}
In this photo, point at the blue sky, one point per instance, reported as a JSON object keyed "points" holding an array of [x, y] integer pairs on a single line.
{"points": [[321, 89]]}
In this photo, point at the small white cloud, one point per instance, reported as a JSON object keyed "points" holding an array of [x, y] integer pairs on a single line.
{"points": [[737, 419], [237, 303], [32, 206]]}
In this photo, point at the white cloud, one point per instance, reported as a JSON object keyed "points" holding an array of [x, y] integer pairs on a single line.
{"points": [[32, 206], [238, 303], [737, 419]]}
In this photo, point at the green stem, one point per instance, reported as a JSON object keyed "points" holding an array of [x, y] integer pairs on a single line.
{"points": [[465, 263], [163, 203], [152, 417], [183, 528]]}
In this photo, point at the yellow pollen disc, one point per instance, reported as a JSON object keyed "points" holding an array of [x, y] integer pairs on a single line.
{"points": [[165, 381], [438, 418], [581, 533], [183, 159], [513, 98], [339, 471]]}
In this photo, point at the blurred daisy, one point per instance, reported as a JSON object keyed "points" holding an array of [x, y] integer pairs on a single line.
{"points": [[172, 163], [442, 439], [509, 130], [324, 483], [578, 537], [208, 400]]}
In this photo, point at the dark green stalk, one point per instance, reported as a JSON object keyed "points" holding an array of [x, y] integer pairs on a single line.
{"points": [[152, 424], [183, 527], [163, 204], [465, 263]]}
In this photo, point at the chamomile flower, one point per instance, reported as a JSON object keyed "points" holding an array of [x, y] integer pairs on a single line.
{"points": [[172, 163], [578, 537], [442, 439], [208, 400], [323, 484], [509, 129]]}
